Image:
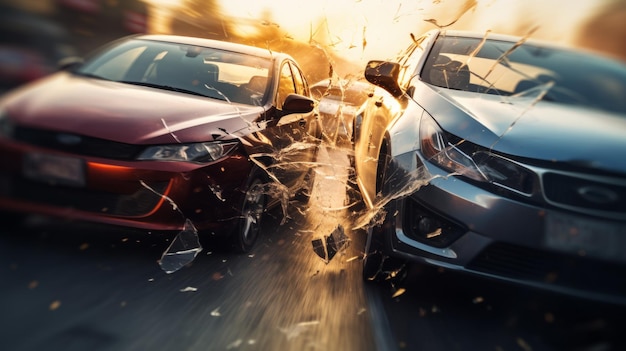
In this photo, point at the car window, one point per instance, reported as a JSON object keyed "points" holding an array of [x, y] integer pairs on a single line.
{"points": [[509, 68], [117, 65], [299, 81], [285, 85], [196, 70]]}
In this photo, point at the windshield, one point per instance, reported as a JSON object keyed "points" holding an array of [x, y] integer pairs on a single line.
{"points": [[189, 69], [509, 68]]}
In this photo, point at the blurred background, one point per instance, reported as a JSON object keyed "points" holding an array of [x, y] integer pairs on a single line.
{"points": [[328, 38]]}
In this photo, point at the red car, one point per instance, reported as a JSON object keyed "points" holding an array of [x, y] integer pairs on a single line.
{"points": [[154, 130]]}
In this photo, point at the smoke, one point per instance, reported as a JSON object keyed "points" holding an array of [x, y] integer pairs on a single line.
{"points": [[360, 30]]}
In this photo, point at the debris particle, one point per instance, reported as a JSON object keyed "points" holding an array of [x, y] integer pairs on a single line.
{"points": [[83, 246], [33, 284], [328, 247], [235, 344], [297, 329], [55, 305], [524, 345], [478, 299], [188, 289], [216, 312], [398, 292], [182, 250], [217, 276], [151, 279]]}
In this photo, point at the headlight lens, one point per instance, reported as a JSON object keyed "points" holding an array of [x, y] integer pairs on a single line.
{"points": [[438, 150], [478, 164], [196, 152]]}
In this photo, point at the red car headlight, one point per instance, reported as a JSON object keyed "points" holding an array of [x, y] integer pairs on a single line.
{"points": [[195, 152]]}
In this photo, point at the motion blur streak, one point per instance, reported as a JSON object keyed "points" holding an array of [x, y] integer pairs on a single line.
{"points": [[353, 35]]}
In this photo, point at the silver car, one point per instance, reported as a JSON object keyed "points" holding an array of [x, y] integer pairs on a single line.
{"points": [[497, 156]]}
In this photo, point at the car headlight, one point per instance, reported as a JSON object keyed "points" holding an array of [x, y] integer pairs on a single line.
{"points": [[196, 152], [437, 149], [471, 161]]}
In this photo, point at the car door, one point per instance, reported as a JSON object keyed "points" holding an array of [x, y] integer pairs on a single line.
{"points": [[295, 150], [380, 110]]}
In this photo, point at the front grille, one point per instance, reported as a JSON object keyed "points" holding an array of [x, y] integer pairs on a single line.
{"points": [[575, 272], [80, 145], [141, 202], [566, 190]]}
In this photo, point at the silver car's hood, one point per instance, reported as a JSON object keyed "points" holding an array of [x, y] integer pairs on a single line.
{"points": [[524, 127], [126, 113]]}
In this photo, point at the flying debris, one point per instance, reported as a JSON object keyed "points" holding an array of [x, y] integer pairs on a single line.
{"points": [[326, 248], [182, 251]]}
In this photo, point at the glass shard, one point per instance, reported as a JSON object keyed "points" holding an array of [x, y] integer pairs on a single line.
{"points": [[182, 251]]}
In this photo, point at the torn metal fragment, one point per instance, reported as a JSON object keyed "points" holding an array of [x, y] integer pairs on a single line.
{"points": [[328, 247]]}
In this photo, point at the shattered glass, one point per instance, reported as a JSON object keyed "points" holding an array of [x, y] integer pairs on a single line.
{"points": [[182, 250]]}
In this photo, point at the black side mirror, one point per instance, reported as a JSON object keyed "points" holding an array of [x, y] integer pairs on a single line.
{"points": [[295, 103], [69, 63], [385, 75]]}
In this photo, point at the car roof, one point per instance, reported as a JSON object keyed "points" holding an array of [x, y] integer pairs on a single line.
{"points": [[211, 43]]}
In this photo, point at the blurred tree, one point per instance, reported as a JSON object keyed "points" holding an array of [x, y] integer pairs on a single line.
{"points": [[201, 18], [605, 31]]}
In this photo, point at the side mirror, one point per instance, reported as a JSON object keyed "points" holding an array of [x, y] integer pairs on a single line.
{"points": [[69, 63], [385, 75], [295, 103]]}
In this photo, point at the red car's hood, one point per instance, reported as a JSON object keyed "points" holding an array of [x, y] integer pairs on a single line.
{"points": [[125, 113]]}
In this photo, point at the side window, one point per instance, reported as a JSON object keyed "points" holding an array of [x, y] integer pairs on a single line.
{"points": [[285, 85], [299, 81]]}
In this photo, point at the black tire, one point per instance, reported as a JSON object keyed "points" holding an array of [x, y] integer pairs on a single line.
{"points": [[373, 258], [377, 264], [381, 170], [253, 207]]}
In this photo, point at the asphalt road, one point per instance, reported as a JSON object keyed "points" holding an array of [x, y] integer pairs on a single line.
{"points": [[78, 286]]}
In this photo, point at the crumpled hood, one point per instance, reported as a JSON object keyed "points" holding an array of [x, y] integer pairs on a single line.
{"points": [[126, 113], [541, 130]]}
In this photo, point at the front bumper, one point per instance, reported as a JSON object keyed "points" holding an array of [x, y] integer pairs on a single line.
{"points": [[497, 237], [141, 194]]}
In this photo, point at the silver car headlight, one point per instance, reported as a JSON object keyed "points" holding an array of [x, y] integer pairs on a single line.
{"points": [[195, 152], [479, 164], [437, 149]]}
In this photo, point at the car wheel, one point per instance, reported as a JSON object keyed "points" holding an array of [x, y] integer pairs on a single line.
{"points": [[377, 265], [252, 210], [373, 257]]}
